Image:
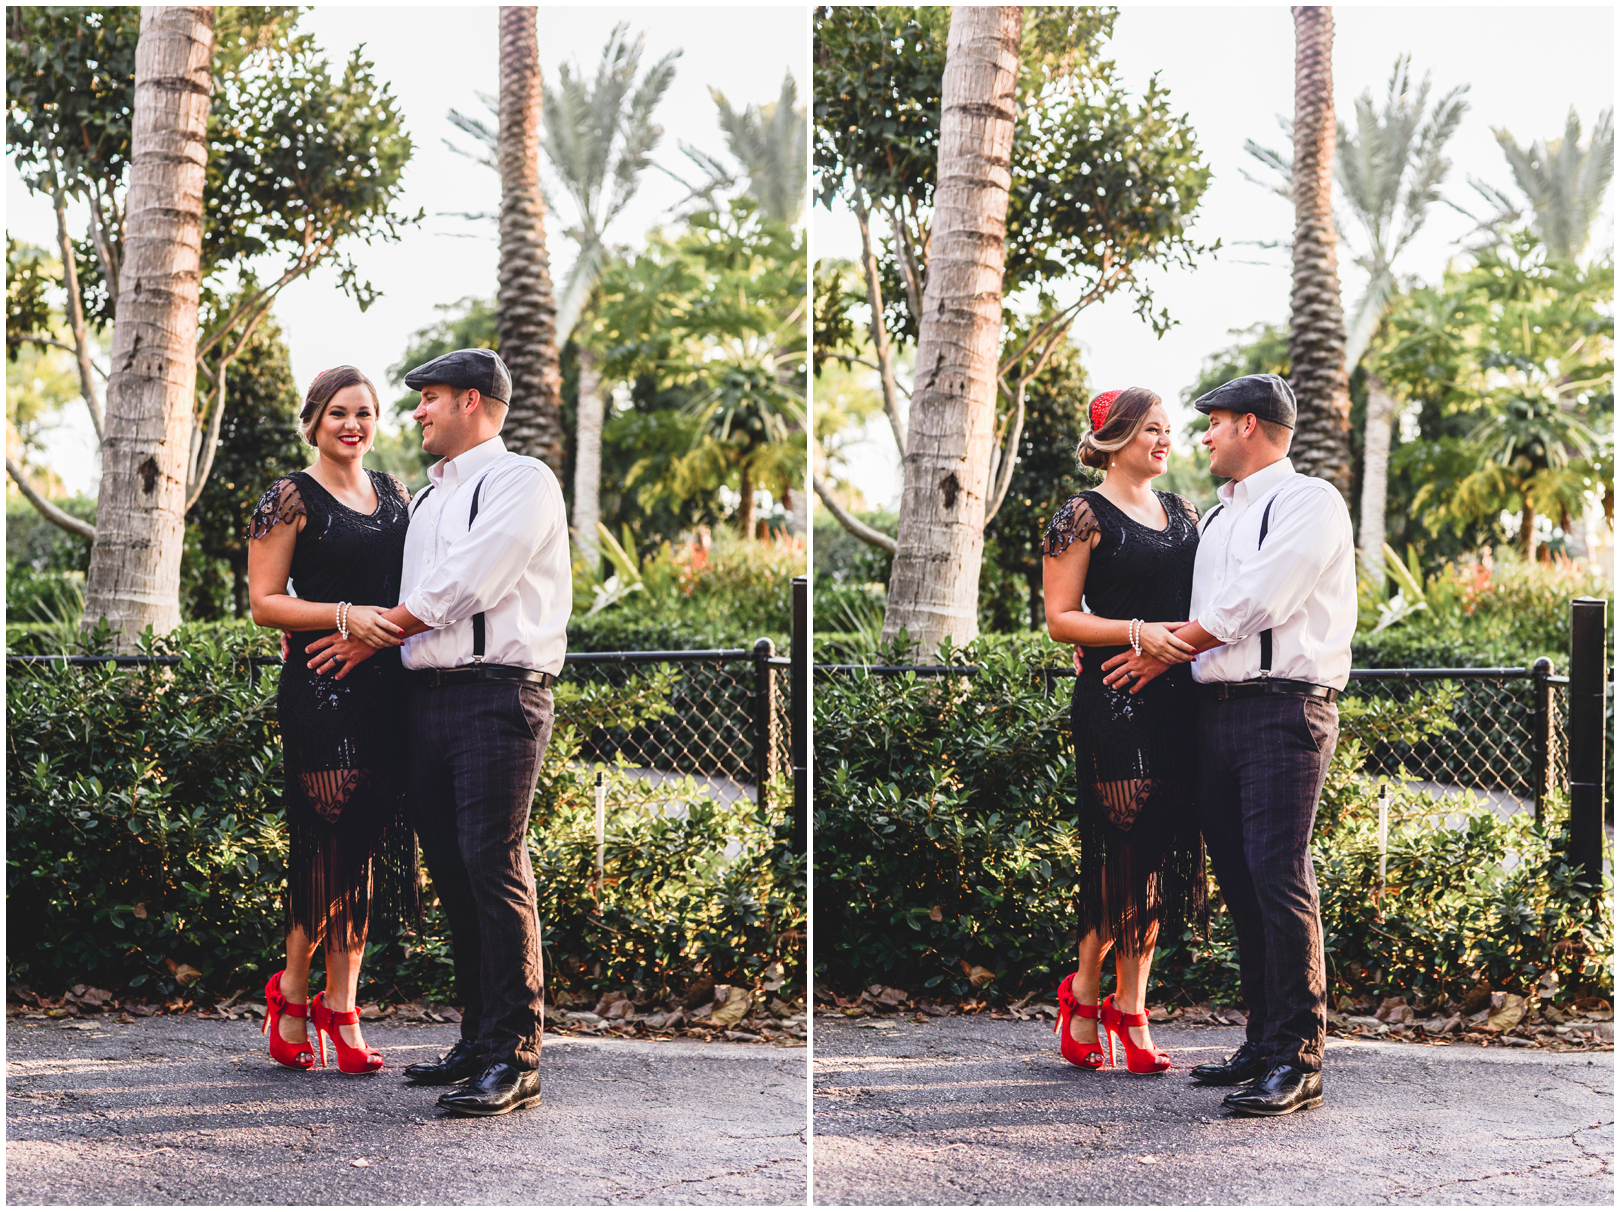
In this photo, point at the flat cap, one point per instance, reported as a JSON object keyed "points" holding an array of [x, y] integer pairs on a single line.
{"points": [[464, 369], [1267, 396]]}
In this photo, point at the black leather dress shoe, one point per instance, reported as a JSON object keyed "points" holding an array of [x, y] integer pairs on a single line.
{"points": [[456, 1065], [497, 1090], [1245, 1065], [1284, 1090]]}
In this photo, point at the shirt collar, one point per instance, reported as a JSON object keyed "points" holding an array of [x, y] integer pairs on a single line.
{"points": [[451, 473], [1256, 484]]}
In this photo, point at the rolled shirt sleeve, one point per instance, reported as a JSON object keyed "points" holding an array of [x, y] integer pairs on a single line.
{"points": [[483, 564], [1308, 531]]}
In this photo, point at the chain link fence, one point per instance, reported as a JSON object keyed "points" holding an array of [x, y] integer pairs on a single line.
{"points": [[728, 724]]}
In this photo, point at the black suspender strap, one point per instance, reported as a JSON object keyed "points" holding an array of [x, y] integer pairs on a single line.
{"points": [[1265, 636], [1210, 517], [478, 619]]}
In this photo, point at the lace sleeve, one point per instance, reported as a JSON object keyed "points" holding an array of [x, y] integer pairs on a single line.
{"points": [[281, 503], [399, 487], [1071, 524], [1192, 510]]}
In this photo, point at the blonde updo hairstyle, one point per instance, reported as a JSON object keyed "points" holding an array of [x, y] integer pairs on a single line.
{"points": [[326, 385], [1124, 420]]}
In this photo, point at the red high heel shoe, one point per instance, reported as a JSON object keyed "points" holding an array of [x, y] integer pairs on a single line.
{"points": [[1137, 1059], [1086, 1056], [294, 1056], [350, 1059]]}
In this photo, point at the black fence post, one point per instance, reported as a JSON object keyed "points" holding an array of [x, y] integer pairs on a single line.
{"points": [[1541, 741], [1587, 650], [799, 719], [764, 722]]}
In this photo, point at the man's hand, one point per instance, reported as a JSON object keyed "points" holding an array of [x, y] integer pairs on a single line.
{"points": [[332, 654], [1079, 666], [1128, 669]]}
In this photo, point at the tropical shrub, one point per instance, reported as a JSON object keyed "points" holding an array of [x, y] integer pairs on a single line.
{"points": [[945, 843], [145, 848]]}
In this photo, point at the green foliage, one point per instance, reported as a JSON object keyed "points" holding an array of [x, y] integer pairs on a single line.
{"points": [[259, 441], [1101, 186], [144, 833], [142, 818], [944, 822], [715, 313], [725, 594]]}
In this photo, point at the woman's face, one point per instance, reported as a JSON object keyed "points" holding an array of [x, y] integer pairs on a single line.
{"points": [[1149, 452], [348, 426]]}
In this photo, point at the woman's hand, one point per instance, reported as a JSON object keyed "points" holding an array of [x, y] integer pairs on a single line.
{"points": [[366, 624], [1127, 670], [335, 656], [1160, 641]]}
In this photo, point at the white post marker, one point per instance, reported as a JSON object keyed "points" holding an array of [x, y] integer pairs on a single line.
{"points": [[1383, 835], [601, 824]]}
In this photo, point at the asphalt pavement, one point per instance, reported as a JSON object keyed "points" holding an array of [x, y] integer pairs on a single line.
{"points": [[178, 1110], [972, 1110]]}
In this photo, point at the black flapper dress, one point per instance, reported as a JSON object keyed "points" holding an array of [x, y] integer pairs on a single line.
{"points": [[351, 859], [1141, 853]]}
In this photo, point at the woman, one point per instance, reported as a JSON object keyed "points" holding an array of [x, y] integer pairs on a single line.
{"points": [[338, 532], [1128, 550]]}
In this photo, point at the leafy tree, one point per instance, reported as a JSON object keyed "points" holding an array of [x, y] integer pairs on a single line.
{"points": [[1389, 168], [301, 166], [769, 142], [717, 313], [1102, 187], [1563, 182]]}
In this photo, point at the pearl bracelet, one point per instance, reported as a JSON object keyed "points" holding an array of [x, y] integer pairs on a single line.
{"points": [[1136, 635], [343, 619]]}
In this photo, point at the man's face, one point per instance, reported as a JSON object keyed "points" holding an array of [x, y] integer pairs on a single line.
{"points": [[1226, 441], [443, 416]]}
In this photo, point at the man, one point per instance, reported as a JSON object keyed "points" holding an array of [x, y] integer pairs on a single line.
{"points": [[484, 602], [1273, 612]]}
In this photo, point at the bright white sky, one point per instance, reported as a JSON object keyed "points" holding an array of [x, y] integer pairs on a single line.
{"points": [[1231, 71], [436, 59]]}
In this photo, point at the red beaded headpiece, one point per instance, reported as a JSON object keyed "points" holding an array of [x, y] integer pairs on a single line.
{"points": [[1099, 408]]}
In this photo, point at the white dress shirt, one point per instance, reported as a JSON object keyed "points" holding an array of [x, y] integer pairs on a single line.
{"points": [[512, 564], [1301, 583]]}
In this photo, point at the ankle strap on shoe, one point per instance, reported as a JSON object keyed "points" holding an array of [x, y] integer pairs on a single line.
{"points": [[1129, 1020], [1068, 1001], [342, 1018], [278, 1002]]}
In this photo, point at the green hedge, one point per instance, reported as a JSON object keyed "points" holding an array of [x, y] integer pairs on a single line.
{"points": [[945, 839], [145, 836]]}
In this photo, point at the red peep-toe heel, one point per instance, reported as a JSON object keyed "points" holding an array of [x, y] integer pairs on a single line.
{"points": [[1137, 1059], [294, 1056], [1086, 1056], [350, 1059]]}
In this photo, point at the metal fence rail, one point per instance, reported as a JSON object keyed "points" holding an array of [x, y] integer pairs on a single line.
{"points": [[1511, 731], [730, 719]]}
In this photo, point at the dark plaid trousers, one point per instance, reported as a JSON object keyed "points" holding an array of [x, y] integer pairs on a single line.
{"points": [[475, 758], [1262, 762]]}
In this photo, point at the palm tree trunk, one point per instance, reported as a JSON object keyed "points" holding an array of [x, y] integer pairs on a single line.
{"points": [[745, 507], [1381, 408], [934, 587], [1321, 381], [525, 311], [588, 458], [134, 578], [1527, 532]]}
